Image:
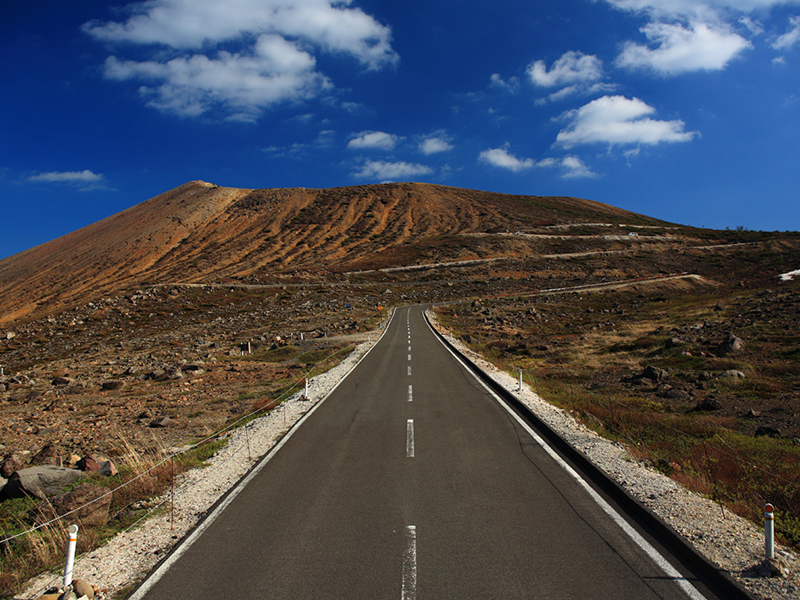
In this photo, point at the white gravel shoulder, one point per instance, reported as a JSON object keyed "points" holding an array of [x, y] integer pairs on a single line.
{"points": [[131, 554], [727, 540]]}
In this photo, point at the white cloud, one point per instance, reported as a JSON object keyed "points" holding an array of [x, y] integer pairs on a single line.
{"points": [[380, 170], [497, 81], [680, 50], [373, 140], [193, 67], [571, 167], [575, 73], [791, 37], [574, 168], [500, 157], [618, 120], [79, 177], [435, 144], [660, 9], [573, 67]]}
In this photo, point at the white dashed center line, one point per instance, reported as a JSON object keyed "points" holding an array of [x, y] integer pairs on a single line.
{"points": [[410, 565], [410, 438], [409, 371], [410, 394]]}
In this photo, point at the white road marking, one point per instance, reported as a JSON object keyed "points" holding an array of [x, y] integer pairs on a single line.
{"points": [[409, 370], [410, 393], [409, 348], [410, 438], [634, 535], [409, 591], [409, 357]]}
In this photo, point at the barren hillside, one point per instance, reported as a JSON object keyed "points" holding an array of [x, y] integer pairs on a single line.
{"points": [[203, 233]]}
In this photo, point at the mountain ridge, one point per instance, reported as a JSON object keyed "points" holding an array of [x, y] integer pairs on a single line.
{"points": [[200, 232]]}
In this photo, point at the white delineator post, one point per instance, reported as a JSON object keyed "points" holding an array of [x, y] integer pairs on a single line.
{"points": [[73, 540], [769, 531], [520, 381], [306, 388]]}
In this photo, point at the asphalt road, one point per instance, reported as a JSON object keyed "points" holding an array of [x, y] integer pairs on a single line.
{"points": [[412, 481]]}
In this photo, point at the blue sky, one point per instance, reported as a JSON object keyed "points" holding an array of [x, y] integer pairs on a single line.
{"points": [[684, 110]]}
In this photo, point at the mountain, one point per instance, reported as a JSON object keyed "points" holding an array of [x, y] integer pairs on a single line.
{"points": [[203, 233]]}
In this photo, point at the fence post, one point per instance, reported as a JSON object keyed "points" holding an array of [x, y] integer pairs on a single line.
{"points": [[769, 531], [73, 540]]}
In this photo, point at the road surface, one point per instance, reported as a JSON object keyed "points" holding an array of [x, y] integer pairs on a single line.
{"points": [[412, 481]]}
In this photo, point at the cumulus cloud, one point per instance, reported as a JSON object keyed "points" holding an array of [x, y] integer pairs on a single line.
{"points": [[574, 73], [373, 140], [791, 37], [573, 67], [79, 177], [616, 120], [571, 167], [706, 9], [679, 49], [193, 68], [380, 170], [435, 144], [500, 157]]}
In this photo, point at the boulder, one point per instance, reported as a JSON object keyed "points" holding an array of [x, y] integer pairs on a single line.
{"points": [[107, 468], [768, 432], [63, 381], [114, 384], [732, 374], [88, 463], [709, 403], [39, 482], [730, 345], [81, 587], [3, 482], [49, 455], [11, 464], [654, 373], [90, 503], [163, 422]]}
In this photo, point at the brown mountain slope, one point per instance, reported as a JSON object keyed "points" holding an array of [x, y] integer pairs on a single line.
{"points": [[200, 232]]}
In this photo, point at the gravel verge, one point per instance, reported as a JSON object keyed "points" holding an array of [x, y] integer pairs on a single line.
{"points": [[133, 553], [732, 543]]}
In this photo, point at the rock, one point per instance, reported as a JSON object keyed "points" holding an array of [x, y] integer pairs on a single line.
{"points": [[676, 394], [107, 468], [49, 455], [63, 381], [114, 384], [11, 465], [709, 403], [773, 567], [674, 342], [39, 482], [90, 503], [753, 413], [72, 463], [730, 345], [163, 422], [654, 373], [88, 463], [768, 432], [68, 595], [3, 482], [705, 376], [732, 374], [82, 588], [720, 305]]}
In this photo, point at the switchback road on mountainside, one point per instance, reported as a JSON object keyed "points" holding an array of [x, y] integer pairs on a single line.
{"points": [[413, 481]]}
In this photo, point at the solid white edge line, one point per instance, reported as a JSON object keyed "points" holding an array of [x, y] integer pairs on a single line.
{"points": [[162, 569], [410, 438], [637, 538], [409, 587]]}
